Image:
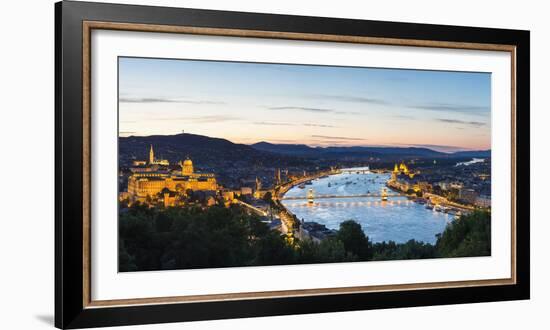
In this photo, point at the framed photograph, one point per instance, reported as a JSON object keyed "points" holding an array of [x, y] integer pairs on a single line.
{"points": [[216, 164]]}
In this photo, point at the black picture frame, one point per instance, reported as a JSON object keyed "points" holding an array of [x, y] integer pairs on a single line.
{"points": [[70, 310]]}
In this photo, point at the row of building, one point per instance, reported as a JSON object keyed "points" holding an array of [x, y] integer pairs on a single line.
{"points": [[405, 180]]}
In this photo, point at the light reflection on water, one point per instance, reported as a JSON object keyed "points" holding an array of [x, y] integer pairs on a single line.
{"points": [[398, 219]]}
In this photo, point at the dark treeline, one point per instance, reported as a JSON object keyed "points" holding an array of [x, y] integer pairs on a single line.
{"points": [[184, 238]]}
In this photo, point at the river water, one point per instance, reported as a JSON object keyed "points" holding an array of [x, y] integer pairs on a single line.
{"points": [[398, 219]]}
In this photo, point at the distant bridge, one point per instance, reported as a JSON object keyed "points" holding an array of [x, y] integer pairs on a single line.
{"points": [[356, 170], [364, 203], [378, 195]]}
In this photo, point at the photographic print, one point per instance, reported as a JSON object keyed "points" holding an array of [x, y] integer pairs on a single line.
{"points": [[302, 160], [234, 164]]}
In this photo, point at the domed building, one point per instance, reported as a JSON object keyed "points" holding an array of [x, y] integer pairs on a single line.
{"points": [[151, 183], [187, 167], [402, 169], [403, 179]]}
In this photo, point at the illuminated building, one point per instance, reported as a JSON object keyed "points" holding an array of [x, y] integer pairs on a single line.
{"points": [[246, 191], [403, 179], [169, 198], [468, 195], [187, 167], [153, 161], [143, 184], [278, 176], [228, 195], [402, 169], [483, 201], [257, 190]]}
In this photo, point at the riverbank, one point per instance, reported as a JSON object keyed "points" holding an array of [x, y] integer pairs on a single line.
{"points": [[432, 199], [290, 225]]}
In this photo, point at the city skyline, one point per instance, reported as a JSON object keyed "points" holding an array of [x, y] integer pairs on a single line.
{"points": [[303, 104]]}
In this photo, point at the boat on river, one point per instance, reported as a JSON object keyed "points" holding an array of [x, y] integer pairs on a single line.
{"points": [[310, 196], [438, 208]]}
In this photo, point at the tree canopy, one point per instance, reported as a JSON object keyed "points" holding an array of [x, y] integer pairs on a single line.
{"points": [[193, 237]]}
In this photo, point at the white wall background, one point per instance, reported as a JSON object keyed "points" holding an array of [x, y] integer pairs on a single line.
{"points": [[27, 149]]}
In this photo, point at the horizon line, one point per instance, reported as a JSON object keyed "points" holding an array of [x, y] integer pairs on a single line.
{"points": [[396, 145]]}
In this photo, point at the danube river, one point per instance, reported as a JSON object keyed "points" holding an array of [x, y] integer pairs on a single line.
{"points": [[398, 219]]}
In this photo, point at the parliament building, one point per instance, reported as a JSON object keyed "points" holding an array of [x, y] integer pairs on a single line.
{"points": [[154, 180]]}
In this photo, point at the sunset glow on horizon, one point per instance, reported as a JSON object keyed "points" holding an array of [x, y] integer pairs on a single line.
{"points": [[304, 104]]}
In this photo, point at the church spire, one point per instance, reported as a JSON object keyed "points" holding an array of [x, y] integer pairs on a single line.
{"points": [[151, 155], [258, 184]]}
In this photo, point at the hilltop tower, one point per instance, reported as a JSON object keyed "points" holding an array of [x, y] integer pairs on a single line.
{"points": [[151, 156]]}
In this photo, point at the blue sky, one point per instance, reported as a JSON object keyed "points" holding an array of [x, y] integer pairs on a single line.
{"points": [[314, 105]]}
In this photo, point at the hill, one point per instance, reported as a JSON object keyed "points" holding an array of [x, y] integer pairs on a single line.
{"points": [[357, 152], [210, 152], [205, 151], [232, 163], [473, 154]]}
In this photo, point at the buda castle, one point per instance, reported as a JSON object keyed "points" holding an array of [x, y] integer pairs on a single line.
{"points": [[154, 177]]}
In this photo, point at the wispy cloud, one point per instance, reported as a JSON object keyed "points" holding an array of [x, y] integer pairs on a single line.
{"points": [[462, 122], [341, 138], [201, 119], [355, 99], [200, 102], [166, 100], [271, 123], [447, 107], [284, 141], [404, 117], [145, 100], [266, 123], [301, 109], [333, 143], [313, 109], [318, 125]]}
